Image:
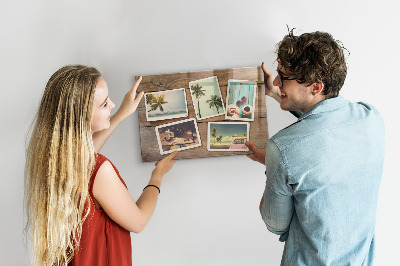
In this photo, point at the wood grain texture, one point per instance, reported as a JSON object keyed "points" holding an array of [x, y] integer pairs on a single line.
{"points": [[151, 83]]}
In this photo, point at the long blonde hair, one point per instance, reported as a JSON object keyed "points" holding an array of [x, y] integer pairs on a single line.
{"points": [[59, 162]]}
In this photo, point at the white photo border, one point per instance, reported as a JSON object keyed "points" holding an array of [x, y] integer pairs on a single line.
{"points": [[209, 134], [193, 100], [168, 116], [174, 123], [254, 99]]}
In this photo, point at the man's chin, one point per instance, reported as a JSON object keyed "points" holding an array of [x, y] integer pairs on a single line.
{"points": [[285, 108]]}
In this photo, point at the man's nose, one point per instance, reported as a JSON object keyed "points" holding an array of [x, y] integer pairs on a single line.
{"points": [[277, 81]]}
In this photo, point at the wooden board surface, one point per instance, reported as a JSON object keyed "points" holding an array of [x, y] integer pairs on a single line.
{"points": [[151, 83]]}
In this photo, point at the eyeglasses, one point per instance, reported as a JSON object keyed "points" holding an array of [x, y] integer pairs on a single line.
{"points": [[282, 78]]}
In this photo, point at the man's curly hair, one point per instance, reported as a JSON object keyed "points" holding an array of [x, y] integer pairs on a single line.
{"points": [[314, 57]]}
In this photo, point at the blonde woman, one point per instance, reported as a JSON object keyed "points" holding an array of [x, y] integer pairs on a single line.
{"points": [[78, 207]]}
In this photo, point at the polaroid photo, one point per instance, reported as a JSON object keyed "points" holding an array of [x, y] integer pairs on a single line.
{"points": [[178, 136], [241, 100], [167, 104], [207, 98], [227, 136]]}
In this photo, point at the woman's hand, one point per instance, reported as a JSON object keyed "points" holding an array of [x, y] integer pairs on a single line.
{"points": [[163, 166], [131, 101], [128, 107], [270, 89]]}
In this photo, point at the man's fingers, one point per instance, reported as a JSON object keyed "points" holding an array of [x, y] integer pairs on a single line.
{"points": [[252, 156], [251, 146], [265, 69]]}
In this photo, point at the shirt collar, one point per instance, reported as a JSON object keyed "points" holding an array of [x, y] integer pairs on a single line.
{"points": [[325, 106]]}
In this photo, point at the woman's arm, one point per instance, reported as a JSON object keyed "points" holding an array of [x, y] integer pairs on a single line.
{"points": [[116, 201], [128, 107]]}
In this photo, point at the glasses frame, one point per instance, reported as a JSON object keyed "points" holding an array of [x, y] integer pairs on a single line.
{"points": [[282, 78]]}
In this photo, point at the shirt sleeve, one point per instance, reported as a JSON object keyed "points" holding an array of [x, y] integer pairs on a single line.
{"points": [[277, 209]]}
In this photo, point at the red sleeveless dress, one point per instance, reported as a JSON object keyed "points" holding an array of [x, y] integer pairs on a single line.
{"points": [[103, 241]]}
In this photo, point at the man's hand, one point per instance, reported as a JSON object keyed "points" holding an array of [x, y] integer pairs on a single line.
{"points": [[258, 155], [270, 89]]}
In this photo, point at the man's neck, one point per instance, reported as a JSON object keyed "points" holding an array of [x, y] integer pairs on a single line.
{"points": [[316, 100]]}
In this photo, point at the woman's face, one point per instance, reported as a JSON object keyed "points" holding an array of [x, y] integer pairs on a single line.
{"points": [[102, 106]]}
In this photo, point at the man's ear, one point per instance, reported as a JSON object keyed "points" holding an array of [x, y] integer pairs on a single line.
{"points": [[317, 88]]}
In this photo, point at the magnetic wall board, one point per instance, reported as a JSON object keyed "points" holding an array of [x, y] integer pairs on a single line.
{"points": [[258, 133]]}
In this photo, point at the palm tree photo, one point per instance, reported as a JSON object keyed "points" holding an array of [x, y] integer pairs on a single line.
{"points": [[149, 98], [214, 133], [157, 102], [198, 93], [215, 101]]}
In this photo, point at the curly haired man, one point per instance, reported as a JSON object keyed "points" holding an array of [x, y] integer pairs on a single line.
{"points": [[323, 171]]}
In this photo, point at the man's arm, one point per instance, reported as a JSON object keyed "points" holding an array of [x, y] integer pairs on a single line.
{"points": [[270, 89], [261, 203], [276, 211], [276, 206]]}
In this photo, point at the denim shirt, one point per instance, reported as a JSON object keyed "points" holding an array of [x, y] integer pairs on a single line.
{"points": [[323, 175]]}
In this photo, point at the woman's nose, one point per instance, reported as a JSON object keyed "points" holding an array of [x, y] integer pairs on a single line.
{"points": [[112, 105]]}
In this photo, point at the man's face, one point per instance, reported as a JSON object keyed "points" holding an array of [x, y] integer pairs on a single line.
{"points": [[294, 96]]}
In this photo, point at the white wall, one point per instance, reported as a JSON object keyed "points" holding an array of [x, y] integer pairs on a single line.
{"points": [[208, 208]]}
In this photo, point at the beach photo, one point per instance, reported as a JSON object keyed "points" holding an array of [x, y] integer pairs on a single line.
{"points": [[227, 136], [207, 99], [241, 100], [168, 104], [180, 135]]}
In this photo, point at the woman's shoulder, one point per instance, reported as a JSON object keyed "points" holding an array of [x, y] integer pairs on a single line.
{"points": [[100, 158], [99, 161], [106, 168], [102, 165]]}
